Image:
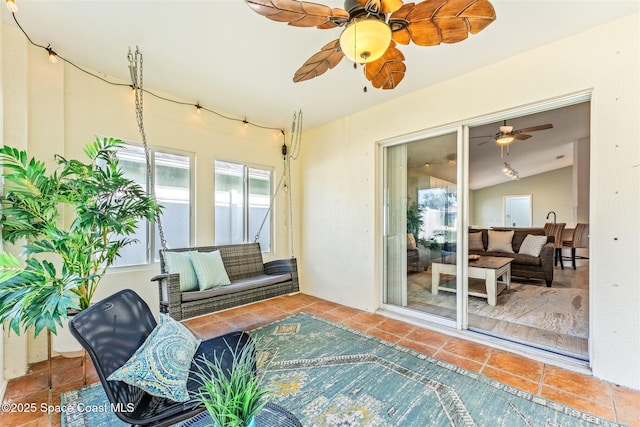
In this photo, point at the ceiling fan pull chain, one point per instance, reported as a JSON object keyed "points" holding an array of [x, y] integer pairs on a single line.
{"points": [[135, 69]]}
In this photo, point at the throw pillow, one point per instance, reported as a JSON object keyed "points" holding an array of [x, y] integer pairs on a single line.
{"points": [[161, 365], [411, 241], [532, 245], [500, 241], [180, 262], [209, 269], [475, 242]]}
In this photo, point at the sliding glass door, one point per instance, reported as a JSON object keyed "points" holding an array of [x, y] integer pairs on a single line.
{"points": [[421, 223]]}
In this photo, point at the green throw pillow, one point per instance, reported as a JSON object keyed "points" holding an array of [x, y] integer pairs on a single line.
{"points": [[180, 262], [161, 365], [209, 269]]}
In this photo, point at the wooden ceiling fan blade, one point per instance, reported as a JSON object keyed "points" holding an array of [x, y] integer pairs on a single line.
{"points": [[388, 71], [329, 56], [479, 15], [535, 128], [414, 22], [432, 22], [521, 136], [299, 13], [390, 6]]}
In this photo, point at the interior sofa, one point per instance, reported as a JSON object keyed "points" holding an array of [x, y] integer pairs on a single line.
{"points": [[528, 266], [251, 280]]}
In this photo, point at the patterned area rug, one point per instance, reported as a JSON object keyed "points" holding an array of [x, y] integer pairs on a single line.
{"points": [[561, 310], [330, 375]]}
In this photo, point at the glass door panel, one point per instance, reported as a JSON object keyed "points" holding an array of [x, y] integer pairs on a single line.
{"points": [[421, 225]]}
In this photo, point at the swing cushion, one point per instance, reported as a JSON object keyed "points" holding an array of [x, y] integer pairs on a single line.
{"points": [[209, 269]]}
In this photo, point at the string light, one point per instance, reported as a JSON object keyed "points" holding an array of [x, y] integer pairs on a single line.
{"points": [[11, 5], [54, 56]]}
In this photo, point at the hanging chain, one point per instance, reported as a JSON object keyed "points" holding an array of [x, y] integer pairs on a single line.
{"points": [[294, 150], [135, 68]]}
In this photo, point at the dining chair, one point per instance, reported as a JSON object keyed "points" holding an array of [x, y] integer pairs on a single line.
{"points": [[580, 239], [555, 230]]}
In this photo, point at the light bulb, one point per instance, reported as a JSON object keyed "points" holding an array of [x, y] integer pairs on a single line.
{"points": [[11, 5], [53, 57]]}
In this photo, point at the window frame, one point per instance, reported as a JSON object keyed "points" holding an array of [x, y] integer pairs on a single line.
{"points": [[153, 246], [245, 197]]}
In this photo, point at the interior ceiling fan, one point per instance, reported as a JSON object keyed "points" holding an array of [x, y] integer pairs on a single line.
{"points": [[506, 135], [373, 28]]}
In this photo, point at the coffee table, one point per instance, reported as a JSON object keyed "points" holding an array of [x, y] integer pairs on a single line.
{"points": [[272, 415], [489, 268]]}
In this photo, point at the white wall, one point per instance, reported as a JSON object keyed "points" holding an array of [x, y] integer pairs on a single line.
{"points": [[340, 257], [56, 109], [551, 191]]}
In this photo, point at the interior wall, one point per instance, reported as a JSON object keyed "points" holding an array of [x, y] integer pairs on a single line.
{"points": [[343, 174], [551, 191], [57, 109]]}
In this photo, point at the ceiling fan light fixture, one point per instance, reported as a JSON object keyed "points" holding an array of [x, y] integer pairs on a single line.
{"points": [[504, 139], [365, 40]]}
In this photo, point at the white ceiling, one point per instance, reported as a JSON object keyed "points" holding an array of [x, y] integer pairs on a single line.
{"points": [[229, 59], [232, 60]]}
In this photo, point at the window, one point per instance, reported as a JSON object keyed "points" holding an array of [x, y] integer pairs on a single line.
{"points": [[173, 183], [243, 196]]}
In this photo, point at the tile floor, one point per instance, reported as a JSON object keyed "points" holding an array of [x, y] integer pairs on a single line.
{"points": [[576, 390]]}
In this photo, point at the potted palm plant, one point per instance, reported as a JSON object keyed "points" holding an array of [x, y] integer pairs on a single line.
{"points": [[234, 395], [71, 224]]}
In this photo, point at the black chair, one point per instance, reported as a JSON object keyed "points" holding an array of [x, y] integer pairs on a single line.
{"points": [[112, 330]]}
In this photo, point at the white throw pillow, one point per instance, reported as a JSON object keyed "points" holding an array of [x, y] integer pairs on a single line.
{"points": [[500, 241], [209, 269], [532, 245]]}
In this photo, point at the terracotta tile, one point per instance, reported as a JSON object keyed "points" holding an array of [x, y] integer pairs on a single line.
{"points": [[428, 337], [516, 365], [509, 379], [330, 315], [383, 335], [323, 305], [26, 385], [463, 362], [417, 346], [574, 401], [627, 403], [587, 387], [346, 312], [304, 299], [396, 327], [355, 325], [196, 322], [213, 330], [368, 318], [468, 349]]}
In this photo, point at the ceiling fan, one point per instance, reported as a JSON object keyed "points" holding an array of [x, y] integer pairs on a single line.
{"points": [[372, 28], [506, 135]]}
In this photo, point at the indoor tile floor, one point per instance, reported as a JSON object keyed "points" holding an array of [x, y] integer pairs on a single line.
{"points": [[573, 389]]}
